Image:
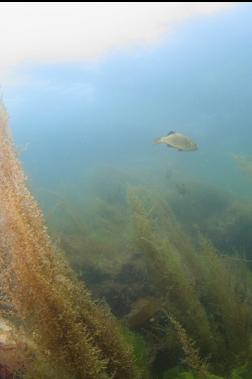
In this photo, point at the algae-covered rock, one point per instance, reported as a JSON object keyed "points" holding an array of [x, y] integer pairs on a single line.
{"points": [[12, 349]]}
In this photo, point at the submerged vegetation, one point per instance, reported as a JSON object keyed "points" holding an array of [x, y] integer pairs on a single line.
{"points": [[171, 260], [67, 334], [206, 294], [175, 276], [171, 268]]}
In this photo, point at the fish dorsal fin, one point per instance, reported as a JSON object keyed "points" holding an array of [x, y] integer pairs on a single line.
{"points": [[171, 132]]}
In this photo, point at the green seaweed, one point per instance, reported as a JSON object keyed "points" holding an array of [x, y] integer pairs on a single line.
{"points": [[243, 372], [141, 352], [179, 373], [200, 289]]}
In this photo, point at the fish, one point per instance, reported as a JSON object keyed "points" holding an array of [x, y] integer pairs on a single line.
{"points": [[177, 141], [143, 311], [181, 189]]}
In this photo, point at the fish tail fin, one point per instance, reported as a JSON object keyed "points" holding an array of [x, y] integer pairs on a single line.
{"points": [[158, 140]]}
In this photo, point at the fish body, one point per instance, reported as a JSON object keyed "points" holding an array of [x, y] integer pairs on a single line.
{"points": [[178, 141], [142, 311]]}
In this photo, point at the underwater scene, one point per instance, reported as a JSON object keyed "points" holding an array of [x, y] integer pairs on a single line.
{"points": [[126, 190]]}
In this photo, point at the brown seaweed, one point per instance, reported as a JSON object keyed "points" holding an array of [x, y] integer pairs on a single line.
{"points": [[72, 336]]}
